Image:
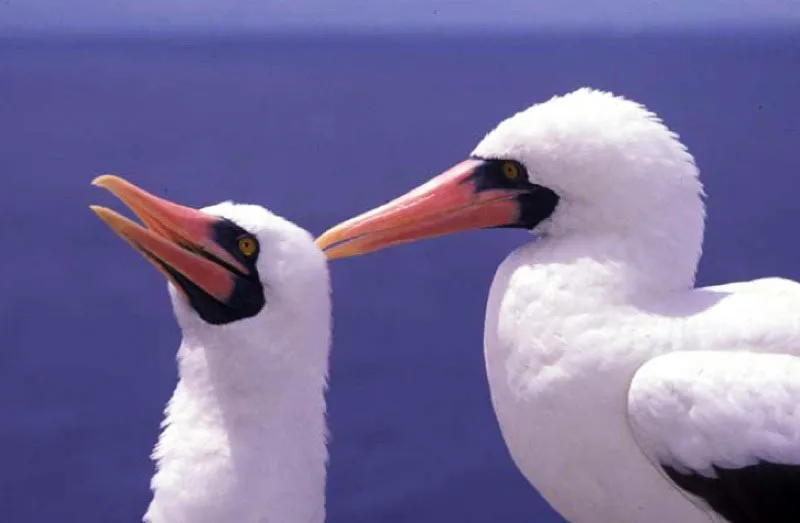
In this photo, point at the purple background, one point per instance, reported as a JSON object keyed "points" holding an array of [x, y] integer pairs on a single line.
{"points": [[317, 129]]}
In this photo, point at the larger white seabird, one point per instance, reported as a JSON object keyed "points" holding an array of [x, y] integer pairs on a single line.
{"points": [[624, 393], [244, 437]]}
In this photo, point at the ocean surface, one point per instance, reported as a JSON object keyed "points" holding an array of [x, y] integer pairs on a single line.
{"points": [[318, 129]]}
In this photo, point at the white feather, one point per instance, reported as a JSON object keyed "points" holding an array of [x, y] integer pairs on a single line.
{"points": [[693, 410], [244, 437], [572, 317]]}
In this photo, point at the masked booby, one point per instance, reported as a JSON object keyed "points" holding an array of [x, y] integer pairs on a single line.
{"points": [[244, 434], [624, 393]]}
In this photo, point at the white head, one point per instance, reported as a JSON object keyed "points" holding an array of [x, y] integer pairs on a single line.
{"points": [[291, 274], [244, 437], [614, 165], [586, 163]]}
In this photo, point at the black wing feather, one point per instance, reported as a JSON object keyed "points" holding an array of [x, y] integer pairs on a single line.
{"points": [[762, 493]]}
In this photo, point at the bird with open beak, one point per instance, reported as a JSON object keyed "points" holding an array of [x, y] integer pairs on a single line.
{"points": [[244, 434], [202, 255]]}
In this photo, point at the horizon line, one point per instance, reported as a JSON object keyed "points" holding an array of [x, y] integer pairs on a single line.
{"points": [[510, 31]]}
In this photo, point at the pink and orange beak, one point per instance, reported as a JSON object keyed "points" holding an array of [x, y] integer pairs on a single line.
{"points": [[178, 240], [455, 200]]}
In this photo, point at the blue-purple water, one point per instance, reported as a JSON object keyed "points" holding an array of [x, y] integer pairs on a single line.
{"points": [[318, 130]]}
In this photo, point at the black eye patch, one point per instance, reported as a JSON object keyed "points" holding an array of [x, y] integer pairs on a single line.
{"points": [[493, 174], [227, 235]]}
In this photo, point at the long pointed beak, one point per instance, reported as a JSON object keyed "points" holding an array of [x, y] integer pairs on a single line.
{"points": [[447, 203], [177, 240]]}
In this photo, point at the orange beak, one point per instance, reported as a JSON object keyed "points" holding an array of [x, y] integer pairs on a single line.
{"points": [[447, 203], [178, 240]]}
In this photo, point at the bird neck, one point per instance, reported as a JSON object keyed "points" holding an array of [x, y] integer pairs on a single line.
{"points": [[618, 266], [651, 242], [244, 435]]}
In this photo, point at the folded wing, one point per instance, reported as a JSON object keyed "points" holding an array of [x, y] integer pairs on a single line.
{"points": [[725, 428]]}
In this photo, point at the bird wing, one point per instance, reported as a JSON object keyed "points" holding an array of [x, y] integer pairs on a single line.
{"points": [[725, 428]]}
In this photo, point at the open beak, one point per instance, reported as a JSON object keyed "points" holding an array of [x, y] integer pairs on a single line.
{"points": [[178, 240], [447, 203]]}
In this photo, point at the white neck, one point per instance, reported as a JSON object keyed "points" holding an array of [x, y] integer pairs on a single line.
{"points": [[244, 436], [619, 266], [647, 238]]}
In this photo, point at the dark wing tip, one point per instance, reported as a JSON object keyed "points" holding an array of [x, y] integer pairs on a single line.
{"points": [[762, 493]]}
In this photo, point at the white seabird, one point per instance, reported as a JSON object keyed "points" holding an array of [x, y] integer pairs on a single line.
{"points": [[624, 393], [244, 436]]}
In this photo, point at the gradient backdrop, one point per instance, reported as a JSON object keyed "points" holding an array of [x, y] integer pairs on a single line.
{"points": [[318, 126]]}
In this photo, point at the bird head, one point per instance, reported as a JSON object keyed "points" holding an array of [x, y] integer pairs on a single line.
{"points": [[226, 264], [588, 162]]}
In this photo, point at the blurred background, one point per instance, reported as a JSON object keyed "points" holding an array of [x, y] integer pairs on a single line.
{"points": [[319, 110]]}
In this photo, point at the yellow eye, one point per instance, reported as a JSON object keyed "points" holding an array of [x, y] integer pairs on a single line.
{"points": [[247, 246], [511, 171]]}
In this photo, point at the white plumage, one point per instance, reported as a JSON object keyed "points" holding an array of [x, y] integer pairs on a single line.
{"points": [[624, 393], [697, 410], [605, 365], [244, 435]]}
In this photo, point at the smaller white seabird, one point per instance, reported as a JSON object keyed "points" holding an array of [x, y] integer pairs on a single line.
{"points": [[624, 393], [244, 434]]}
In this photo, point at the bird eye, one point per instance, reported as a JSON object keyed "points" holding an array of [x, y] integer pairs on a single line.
{"points": [[247, 245], [511, 171]]}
